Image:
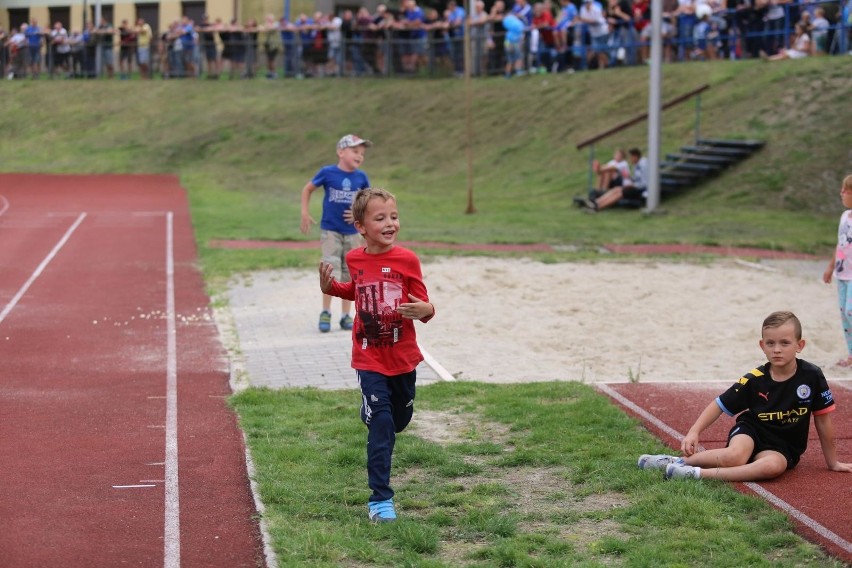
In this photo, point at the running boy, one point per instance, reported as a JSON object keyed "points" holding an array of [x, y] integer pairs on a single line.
{"points": [[337, 234], [840, 266], [388, 290], [776, 400]]}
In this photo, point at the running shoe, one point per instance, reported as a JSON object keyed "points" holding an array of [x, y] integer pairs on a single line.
{"points": [[346, 322], [657, 461], [382, 511], [681, 471], [325, 321]]}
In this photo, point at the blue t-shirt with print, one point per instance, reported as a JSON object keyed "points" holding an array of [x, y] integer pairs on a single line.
{"points": [[340, 188]]}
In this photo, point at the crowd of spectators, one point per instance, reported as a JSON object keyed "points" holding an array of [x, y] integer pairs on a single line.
{"points": [[516, 39]]}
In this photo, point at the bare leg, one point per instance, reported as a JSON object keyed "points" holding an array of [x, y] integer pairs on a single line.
{"points": [[766, 465], [732, 463], [610, 198]]}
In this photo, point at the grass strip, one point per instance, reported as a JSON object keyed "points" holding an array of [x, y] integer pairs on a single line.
{"points": [[532, 475]]}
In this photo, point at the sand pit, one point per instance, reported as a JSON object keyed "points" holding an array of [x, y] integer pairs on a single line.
{"points": [[512, 320]]}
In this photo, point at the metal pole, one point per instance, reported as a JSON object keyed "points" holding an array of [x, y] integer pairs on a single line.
{"points": [[591, 184], [468, 109], [697, 118], [98, 56], [654, 97]]}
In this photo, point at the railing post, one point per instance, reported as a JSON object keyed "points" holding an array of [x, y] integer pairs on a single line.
{"points": [[591, 183], [697, 118]]}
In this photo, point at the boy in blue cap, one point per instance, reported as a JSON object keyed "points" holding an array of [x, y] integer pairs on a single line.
{"points": [[337, 233]]}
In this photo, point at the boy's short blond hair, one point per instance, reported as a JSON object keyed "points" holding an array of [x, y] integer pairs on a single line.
{"points": [[847, 182], [363, 197], [777, 319]]}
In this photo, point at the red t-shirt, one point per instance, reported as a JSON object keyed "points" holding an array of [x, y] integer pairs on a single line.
{"points": [[641, 15], [382, 340], [545, 23]]}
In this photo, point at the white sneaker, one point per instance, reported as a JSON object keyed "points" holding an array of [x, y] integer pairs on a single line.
{"points": [[657, 461], [682, 471]]}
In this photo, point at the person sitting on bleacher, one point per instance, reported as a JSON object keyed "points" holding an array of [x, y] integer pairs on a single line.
{"points": [[611, 173], [631, 192]]}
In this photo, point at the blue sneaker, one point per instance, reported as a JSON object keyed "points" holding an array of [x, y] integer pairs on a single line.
{"points": [[346, 322], [382, 511], [325, 321]]}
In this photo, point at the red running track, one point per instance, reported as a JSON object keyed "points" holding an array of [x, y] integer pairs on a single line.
{"points": [[815, 498], [116, 441]]}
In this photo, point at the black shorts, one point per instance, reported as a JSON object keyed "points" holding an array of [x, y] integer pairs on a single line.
{"points": [[616, 181], [761, 445], [633, 193]]}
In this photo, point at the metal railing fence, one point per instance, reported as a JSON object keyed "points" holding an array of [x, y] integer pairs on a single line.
{"points": [[729, 34]]}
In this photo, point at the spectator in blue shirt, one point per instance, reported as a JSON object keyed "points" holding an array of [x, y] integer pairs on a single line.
{"points": [[455, 21], [33, 34], [415, 48], [187, 40]]}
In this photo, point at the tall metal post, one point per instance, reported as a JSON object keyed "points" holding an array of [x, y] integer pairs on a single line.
{"points": [[468, 65], [98, 57], [655, 80]]}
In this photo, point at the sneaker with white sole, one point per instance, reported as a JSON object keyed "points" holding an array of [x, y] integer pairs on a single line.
{"points": [[346, 322], [657, 461], [382, 511], [682, 471]]}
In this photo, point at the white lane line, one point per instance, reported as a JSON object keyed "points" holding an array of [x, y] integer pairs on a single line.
{"points": [[640, 411], [801, 517], [139, 486], [171, 534], [439, 369], [4, 204], [759, 489], [14, 301]]}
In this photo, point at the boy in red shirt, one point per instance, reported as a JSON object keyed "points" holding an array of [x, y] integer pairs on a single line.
{"points": [[387, 288]]}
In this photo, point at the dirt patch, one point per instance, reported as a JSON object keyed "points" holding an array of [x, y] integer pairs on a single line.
{"points": [[542, 497], [448, 428]]}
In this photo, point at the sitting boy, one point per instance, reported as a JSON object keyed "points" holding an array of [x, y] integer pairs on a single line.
{"points": [[776, 401], [632, 190], [613, 172]]}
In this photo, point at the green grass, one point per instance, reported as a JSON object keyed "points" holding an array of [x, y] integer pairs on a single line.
{"points": [[245, 149], [535, 475]]}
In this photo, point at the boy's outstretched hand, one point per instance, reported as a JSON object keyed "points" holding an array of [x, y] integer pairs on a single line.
{"points": [[325, 270], [417, 309]]}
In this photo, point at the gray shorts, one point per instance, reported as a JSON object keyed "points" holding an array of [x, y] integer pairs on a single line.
{"points": [[106, 56], [143, 55], [334, 247]]}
